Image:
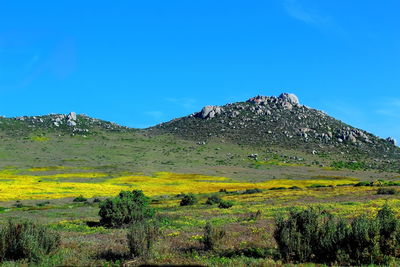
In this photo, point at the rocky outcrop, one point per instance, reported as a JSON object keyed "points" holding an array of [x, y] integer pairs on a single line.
{"points": [[392, 141], [209, 112], [71, 119], [291, 98]]}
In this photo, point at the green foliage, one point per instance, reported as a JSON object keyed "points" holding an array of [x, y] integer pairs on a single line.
{"points": [[141, 238], [96, 200], [213, 199], [127, 208], [212, 237], [225, 204], [26, 240], [314, 235], [352, 165], [188, 200], [42, 204], [80, 199], [386, 191], [252, 191]]}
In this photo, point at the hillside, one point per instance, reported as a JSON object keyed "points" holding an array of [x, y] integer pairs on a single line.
{"points": [[262, 137], [282, 122]]}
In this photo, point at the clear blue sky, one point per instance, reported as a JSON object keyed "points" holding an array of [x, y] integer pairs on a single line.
{"points": [[139, 63]]}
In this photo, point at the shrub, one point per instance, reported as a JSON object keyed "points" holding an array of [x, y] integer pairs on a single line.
{"points": [[80, 199], [212, 237], [253, 216], [188, 200], [224, 204], [126, 208], [252, 191], [386, 191], [96, 200], [364, 183], [42, 204], [314, 235], [389, 231], [141, 238], [26, 240], [18, 204], [363, 241], [213, 199]]}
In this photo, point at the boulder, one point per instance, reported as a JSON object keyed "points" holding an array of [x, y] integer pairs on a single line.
{"points": [[209, 112], [71, 116], [392, 140], [291, 98], [71, 123]]}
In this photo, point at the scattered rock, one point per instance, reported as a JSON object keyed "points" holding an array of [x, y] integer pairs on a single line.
{"points": [[392, 141]]}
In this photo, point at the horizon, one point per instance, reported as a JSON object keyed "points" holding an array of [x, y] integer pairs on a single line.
{"points": [[140, 64]]}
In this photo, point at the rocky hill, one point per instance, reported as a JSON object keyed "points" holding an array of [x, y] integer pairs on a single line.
{"points": [[280, 122], [64, 123]]}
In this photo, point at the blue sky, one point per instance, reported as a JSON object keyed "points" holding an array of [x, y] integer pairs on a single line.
{"points": [[139, 63]]}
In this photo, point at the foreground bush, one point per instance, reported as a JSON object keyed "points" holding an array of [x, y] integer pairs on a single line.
{"points": [[141, 238], [27, 240], [314, 235], [126, 208], [212, 236], [188, 200]]}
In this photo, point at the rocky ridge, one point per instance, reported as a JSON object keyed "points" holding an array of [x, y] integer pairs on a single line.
{"points": [[278, 121], [70, 123]]}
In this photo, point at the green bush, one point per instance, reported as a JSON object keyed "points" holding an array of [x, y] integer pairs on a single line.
{"points": [[213, 199], [386, 191], [80, 199], [127, 208], [224, 204], [96, 200], [364, 183], [141, 238], [212, 237], [252, 191], [314, 235], [188, 200], [27, 240]]}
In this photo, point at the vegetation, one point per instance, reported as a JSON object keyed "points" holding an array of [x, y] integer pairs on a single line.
{"points": [[212, 236], [80, 199], [188, 200], [315, 235], [213, 199], [223, 204], [127, 208], [386, 191], [26, 240], [141, 238]]}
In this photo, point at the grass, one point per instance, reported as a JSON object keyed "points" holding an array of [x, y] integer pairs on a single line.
{"points": [[45, 176], [35, 185], [84, 242]]}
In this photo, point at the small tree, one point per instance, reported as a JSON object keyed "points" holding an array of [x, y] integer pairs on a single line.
{"points": [[126, 208], [212, 236], [141, 238]]}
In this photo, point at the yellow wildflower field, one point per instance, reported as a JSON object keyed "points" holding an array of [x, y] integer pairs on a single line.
{"points": [[17, 186]]}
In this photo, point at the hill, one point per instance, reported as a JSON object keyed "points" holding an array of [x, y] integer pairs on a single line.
{"points": [[282, 122]]}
